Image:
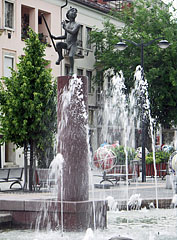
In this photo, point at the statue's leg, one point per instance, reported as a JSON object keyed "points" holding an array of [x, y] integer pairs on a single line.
{"points": [[71, 71], [60, 46], [72, 53]]}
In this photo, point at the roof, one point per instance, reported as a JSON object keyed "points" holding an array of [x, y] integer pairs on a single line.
{"points": [[95, 5], [105, 5]]}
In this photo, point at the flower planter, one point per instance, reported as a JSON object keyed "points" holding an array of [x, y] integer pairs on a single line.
{"points": [[160, 167]]}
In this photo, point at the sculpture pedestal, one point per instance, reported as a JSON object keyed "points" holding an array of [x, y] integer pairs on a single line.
{"points": [[72, 136]]}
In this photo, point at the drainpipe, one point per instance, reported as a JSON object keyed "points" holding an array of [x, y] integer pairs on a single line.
{"points": [[61, 18], [64, 4]]}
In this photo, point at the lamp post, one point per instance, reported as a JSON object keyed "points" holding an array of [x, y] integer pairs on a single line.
{"points": [[121, 46]]}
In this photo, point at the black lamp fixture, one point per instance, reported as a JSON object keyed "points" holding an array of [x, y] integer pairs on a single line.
{"points": [[163, 44], [121, 46]]}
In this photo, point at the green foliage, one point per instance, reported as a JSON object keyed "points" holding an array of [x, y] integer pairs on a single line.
{"points": [[121, 155], [145, 21], [45, 145], [160, 157], [28, 99]]}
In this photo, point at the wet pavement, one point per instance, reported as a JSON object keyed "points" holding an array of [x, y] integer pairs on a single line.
{"points": [[150, 189]]}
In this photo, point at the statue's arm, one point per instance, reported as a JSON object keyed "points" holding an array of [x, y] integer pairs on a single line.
{"points": [[74, 30], [59, 37]]}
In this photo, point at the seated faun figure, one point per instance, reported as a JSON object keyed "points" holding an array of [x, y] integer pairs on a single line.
{"points": [[71, 32]]}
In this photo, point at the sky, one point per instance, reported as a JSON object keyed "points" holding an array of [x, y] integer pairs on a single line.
{"points": [[174, 2]]}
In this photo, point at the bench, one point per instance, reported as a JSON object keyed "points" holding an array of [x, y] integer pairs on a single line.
{"points": [[13, 175], [42, 179], [116, 174], [162, 173]]}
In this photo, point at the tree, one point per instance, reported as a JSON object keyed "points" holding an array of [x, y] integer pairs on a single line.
{"points": [[144, 21], [45, 149], [28, 102]]}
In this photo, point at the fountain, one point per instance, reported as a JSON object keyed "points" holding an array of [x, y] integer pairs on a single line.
{"points": [[73, 145], [72, 209]]}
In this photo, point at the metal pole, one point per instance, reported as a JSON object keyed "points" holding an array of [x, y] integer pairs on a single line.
{"points": [[49, 31], [143, 120]]}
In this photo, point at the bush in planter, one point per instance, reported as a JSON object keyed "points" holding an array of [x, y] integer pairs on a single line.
{"points": [[160, 157], [120, 154]]}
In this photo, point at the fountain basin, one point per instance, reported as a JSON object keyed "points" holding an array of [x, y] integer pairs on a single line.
{"points": [[156, 224], [77, 215]]}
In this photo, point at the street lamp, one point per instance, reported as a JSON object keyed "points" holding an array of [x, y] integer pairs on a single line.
{"points": [[122, 46]]}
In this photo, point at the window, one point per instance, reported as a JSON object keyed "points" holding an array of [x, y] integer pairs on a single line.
{"points": [[42, 30], [79, 37], [100, 88], [24, 26], [89, 75], [91, 117], [79, 72], [9, 153], [8, 63], [88, 31], [9, 14], [27, 20]]}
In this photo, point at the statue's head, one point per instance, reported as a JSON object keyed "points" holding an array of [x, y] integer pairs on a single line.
{"points": [[72, 11]]}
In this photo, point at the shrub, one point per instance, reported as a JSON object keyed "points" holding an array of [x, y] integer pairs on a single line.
{"points": [[120, 154], [160, 157]]}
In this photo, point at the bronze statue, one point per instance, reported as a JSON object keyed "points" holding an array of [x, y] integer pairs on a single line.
{"points": [[71, 32]]}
